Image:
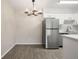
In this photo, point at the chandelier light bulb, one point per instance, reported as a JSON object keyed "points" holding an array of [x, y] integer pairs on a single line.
{"points": [[36, 13], [34, 10], [40, 12], [26, 11]]}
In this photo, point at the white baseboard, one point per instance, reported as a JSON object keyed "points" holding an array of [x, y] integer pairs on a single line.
{"points": [[28, 43], [7, 51]]}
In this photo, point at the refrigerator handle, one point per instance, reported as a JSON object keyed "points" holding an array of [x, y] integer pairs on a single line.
{"points": [[47, 37], [46, 41]]}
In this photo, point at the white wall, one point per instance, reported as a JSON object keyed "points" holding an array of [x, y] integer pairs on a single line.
{"points": [[28, 29], [63, 17], [7, 27], [75, 16], [61, 14]]}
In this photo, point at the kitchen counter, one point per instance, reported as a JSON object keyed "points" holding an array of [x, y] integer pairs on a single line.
{"points": [[72, 36]]}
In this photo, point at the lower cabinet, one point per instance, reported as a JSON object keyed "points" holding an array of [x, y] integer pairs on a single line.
{"points": [[70, 48]]}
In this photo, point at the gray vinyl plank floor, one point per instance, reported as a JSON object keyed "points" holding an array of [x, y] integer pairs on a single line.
{"points": [[33, 52]]}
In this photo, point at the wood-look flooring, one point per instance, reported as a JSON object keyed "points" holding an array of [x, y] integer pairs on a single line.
{"points": [[33, 52]]}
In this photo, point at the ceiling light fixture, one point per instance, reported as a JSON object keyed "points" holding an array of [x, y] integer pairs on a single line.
{"points": [[68, 2], [34, 12]]}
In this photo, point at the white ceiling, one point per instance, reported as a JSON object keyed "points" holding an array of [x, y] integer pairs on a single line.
{"points": [[21, 5]]}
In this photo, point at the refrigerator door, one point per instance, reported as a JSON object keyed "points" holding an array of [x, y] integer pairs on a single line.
{"points": [[52, 23], [52, 38]]}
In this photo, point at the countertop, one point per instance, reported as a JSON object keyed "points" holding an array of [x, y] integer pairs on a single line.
{"points": [[72, 36]]}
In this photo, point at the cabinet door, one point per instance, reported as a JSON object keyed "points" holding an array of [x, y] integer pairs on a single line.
{"points": [[70, 48]]}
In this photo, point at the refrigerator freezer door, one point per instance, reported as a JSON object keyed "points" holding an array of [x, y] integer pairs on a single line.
{"points": [[51, 38], [52, 23]]}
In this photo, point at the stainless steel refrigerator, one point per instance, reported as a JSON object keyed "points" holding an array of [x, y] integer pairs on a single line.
{"points": [[50, 33]]}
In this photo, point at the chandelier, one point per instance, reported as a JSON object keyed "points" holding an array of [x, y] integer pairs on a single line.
{"points": [[34, 12]]}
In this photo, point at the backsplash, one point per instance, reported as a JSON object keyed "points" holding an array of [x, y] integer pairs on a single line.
{"points": [[68, 28]]}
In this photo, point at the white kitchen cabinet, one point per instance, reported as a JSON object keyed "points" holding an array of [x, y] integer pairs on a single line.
{"points": [[70, 47]]}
